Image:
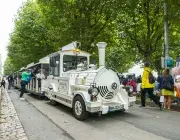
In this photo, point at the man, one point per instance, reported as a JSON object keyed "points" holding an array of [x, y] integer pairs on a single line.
{"points": [[147, 86], [24, 81], [10, 81], [3, 83]]}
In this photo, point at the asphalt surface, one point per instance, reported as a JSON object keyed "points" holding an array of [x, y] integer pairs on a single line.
{"points": [[36, 125], [58, 121]]}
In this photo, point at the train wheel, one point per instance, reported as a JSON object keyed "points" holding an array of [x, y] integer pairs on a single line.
{"points": [[52, 102], [79, 108]]}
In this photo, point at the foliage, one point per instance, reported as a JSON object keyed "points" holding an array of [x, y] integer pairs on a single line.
{"points": [[142, 23], [8, 66], [134, 30], [28, 41]]}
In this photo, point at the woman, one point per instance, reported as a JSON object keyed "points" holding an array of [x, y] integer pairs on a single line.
{"points": [[167, 88]]}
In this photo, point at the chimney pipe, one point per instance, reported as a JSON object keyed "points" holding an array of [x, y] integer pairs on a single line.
{"points": [[101, 49]]}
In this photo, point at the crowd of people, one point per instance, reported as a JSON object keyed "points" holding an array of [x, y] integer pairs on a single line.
{"points": [[10, 80], [147, 85], [159, 89], [25, 77]]}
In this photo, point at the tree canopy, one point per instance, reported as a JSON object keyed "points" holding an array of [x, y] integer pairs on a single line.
{"points": [[134, 30]]}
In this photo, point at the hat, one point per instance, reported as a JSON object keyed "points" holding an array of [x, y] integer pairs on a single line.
{"points": [[146, 64]]}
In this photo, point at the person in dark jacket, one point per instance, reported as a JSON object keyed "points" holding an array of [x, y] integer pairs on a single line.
{"points": [[167, 88], [10, 81], [3, 83]]}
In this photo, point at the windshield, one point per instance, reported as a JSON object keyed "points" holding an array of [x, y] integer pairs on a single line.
{"points": [[70, 62]]}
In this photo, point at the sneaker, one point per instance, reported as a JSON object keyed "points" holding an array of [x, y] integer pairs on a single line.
{"points": [[22, 98]]}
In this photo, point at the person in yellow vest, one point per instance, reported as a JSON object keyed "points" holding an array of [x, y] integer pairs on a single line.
{"points": [[148, 86]]}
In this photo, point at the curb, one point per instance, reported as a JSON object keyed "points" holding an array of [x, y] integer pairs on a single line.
{"points": [[11, 127]]}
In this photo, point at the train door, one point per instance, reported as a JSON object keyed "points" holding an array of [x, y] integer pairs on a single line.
{"points": [[54, 71]]}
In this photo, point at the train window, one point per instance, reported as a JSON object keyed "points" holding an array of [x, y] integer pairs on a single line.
{"points": [[54, 65], [45, 70], [70, 62], [57, 66]]}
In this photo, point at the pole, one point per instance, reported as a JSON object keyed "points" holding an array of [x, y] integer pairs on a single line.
{"points": [[166, 31]]}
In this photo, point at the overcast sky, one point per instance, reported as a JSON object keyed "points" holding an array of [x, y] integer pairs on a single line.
{"points": [[8, 10]]}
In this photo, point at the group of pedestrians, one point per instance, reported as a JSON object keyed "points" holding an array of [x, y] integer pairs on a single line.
{"points": [[25, 77], [165, 87], [10, 81], [130, 80]]}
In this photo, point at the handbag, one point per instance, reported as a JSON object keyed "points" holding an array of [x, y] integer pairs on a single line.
{"points": [[166, 84]]}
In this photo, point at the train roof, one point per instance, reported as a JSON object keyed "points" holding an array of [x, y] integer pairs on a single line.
{"points": [[71, 49], [71, 52]]}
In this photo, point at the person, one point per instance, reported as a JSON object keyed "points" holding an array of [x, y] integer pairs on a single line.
{"points": [[139, 79], [40, 76], [167, 88], [147, 86], [10, 81], [131, 82], [124, 81], [3, 83], [25, 76]]}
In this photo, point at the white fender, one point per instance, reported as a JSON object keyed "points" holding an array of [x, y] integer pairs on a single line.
{"points": [[50, 89], [53, 87], [83, 94]]}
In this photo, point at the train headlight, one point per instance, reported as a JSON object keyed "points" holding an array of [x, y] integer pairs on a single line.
{"points": [[93, 91]]}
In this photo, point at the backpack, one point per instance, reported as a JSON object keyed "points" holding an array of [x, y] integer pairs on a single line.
{"points": [[166, 83], [28, 79], [151, 78]]}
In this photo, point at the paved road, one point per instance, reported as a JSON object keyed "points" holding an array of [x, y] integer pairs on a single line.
{"points": [[36, 125], [136, 124]]}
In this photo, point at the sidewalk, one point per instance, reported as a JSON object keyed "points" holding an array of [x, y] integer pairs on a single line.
{"points": [[150, 103], [10, 125]]}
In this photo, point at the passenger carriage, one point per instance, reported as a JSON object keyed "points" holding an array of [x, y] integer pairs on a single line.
{"points": [[40, 71]]}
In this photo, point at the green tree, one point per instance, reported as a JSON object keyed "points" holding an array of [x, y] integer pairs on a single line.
{"points": [[28, 42], [142, 23], [8, 66], [134, 30]]}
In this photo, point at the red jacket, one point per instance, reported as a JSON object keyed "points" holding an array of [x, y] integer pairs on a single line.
{"points": [[133, 84]]}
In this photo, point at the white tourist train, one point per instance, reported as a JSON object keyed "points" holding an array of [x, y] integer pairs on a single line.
{"points": [[76, 83]]}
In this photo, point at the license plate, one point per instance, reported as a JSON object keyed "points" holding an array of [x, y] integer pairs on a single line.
{"points": [[114, 108]]}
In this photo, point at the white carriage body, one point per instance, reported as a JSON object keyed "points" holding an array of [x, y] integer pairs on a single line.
{"points": [[38, 82], [68, 80]]}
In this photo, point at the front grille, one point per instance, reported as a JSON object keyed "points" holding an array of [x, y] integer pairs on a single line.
{"points": [[105, 93]]}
